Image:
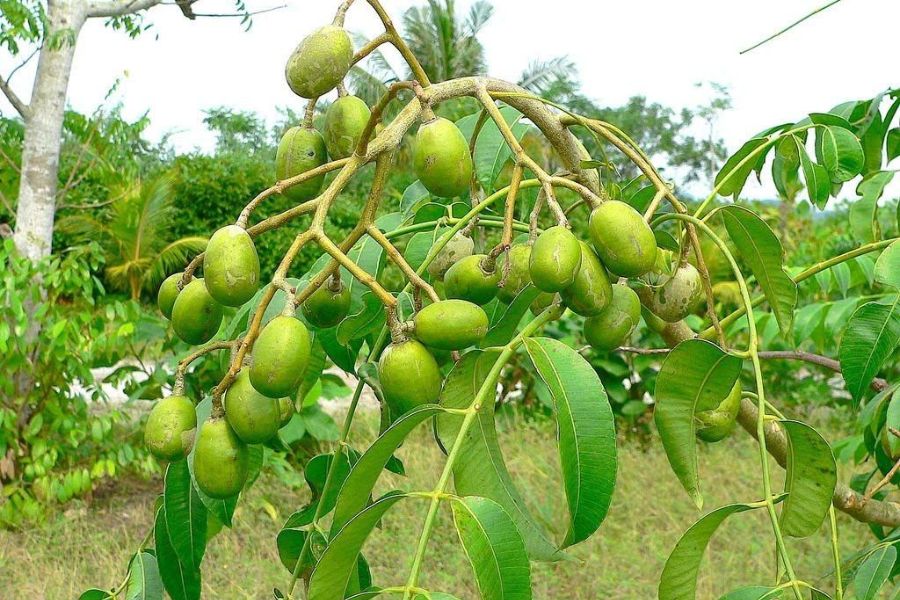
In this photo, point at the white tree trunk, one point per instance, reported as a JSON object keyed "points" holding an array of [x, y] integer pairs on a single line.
{"points": [[43, 133]]}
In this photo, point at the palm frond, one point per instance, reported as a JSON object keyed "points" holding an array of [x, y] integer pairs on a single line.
{"points": [[479, 14], [173, 256]]}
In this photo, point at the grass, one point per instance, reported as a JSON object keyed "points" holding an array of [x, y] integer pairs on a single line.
{"points": [[89, 546]]}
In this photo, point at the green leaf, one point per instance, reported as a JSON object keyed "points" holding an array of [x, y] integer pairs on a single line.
{"points": [[491, 151], [863, 211], [343, 355], [586, 433], [419, 244], [181, 582], [841, 153], [413, 196], [504, 329], [480, 469], [291, 537], [144, 582], [818, 183], [679, 576], [316, 472], [869, 339], [887, 267], [360, 481], [761, 250], [185, 515], [874, 572], [494, 548], [696, 376], [893, 143], [810, 480], [730, 177], [337, 564], [95, 594], [367, 319]]}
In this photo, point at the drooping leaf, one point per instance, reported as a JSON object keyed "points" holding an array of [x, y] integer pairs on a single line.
{"points": [[841, 153], [338, 562], [185, 515], [695, 376], [504, 329], [292, 536], [180, 581], [316, 473], [887, 267], [144, 582], [679, 576], [732, 178], [343, 355], [809, 482], [863, 222], [874, 572], [494, 547], [586, 433], [762, 251], [818, 183], [871, 336], [480, 469], [360, 481]]}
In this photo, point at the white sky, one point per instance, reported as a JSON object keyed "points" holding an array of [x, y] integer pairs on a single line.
{"points": [[656, 48]]}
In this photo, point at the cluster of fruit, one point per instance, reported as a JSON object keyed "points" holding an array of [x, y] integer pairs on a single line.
{"points": [[565, 270]]}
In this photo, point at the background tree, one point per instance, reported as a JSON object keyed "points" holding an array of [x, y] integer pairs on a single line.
{"points": [[136, 235]]}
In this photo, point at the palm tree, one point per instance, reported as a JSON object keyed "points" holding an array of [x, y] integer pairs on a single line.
{"points": [[135, 235]]}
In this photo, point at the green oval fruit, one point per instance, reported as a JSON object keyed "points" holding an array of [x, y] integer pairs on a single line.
{"points": [[320, 62], [326, 307], [170, 429], [301, 149], [616, 322], [345, 121], [196, 316], [168, 291], [451, 324], [541, 302], [280, 355], [286, 410], [591, 291], [623, 239], [409, 377], [714, 425], [221, 460], [677, 297], [518, 276], [555, 258], [457, 248], [467, 280], [231, 266], [253, 417], [441, 158]]}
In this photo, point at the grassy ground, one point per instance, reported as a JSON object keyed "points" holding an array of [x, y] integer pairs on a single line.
{"points": [[90, 546]]}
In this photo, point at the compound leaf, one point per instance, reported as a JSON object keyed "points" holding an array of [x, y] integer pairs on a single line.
{"points": [[480, 469]]}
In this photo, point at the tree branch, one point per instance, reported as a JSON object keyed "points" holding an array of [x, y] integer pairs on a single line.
{"points": [[117, 8], [21, 107]]}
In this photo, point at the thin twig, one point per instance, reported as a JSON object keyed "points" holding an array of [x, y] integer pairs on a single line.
{"points": [[789, 27]]}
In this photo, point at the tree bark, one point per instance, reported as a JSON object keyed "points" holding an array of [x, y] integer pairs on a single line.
{"points": [[43, 133]]}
